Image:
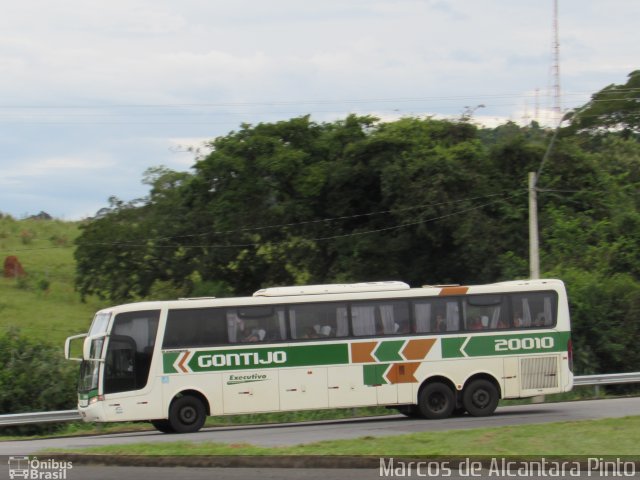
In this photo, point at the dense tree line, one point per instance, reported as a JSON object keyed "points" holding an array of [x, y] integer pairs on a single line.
{"points": [[422, 200]]}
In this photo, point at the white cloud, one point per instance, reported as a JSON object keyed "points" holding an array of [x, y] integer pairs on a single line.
{"points": [[55, 166], [252, 61]]}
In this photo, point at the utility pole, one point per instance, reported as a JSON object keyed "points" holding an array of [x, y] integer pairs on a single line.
{"points": [[534, 242], [534, 249]]}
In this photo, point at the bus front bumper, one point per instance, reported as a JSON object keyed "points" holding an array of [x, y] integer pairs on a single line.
{"points": [[93, 412]]}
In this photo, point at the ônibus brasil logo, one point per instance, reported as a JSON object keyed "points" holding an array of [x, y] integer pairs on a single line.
{"points": [[32, 468]]}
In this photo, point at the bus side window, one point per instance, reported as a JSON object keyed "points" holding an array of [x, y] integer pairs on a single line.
{"points": [[484, 312], [534, 309], [259, 324], [317, 321], [380, 318], [193, 327], [363, 319], [436, 315]]}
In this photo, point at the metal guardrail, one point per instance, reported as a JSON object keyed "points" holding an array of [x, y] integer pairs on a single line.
{"points": [[39, 417], [608, 379], [73, 415]]}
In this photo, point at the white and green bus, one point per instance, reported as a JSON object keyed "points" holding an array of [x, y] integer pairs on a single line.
{"points": [[429, 352]]}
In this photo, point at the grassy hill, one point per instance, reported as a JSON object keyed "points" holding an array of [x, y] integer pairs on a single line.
{"points": [[43, 304]]}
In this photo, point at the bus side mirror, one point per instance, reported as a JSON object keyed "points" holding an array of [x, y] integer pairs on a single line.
{"points": [[67, 347]]}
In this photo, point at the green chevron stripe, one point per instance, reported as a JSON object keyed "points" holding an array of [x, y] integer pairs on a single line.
{"points": [[513, 344], [389, 351], [168, 359], [374, 374]]}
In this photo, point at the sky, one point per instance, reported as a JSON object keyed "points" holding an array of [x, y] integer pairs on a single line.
{"points": [[92, 94]]}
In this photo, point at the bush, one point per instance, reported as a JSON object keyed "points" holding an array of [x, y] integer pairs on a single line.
{"points": [[34, 378]]}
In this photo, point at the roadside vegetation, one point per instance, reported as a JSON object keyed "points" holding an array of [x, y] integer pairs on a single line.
{"points": [[298, 202]]}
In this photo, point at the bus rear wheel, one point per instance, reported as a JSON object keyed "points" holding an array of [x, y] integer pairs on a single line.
{"points": [[436, 401], [480, 398], [187, 414]]}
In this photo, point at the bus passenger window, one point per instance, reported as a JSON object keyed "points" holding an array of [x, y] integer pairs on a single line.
{"points": [[317, 321], [194, 327], [534, 309], [436, 315], [380, 318], [256, 324], [484, 312]]}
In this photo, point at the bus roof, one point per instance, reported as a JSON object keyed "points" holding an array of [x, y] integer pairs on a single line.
{"points": [[332, 288], [342, 292]]}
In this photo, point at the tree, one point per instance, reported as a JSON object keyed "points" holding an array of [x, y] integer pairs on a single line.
{"points": [[614, 108], [420, 200]]}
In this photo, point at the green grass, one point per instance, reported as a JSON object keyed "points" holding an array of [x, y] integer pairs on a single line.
{"points": [[619, 436], [44, 304], [82, 428]]}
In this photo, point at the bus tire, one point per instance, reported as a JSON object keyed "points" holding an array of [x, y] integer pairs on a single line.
{"points": [[480, 398], [436, 401], [162, 426], [187, 414]]}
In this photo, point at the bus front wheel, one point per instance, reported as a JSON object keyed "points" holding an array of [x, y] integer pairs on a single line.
{"points": [[187, 414], [162, 426], [436, 401], [480, 398]]}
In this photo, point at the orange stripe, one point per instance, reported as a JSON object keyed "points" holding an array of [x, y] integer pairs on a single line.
{"points": [[403, 373], [181, 363], [361, 352], [418, 349], [446, 291]]}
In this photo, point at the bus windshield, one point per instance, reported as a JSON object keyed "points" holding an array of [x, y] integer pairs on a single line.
{"points": [[89, 370], [99, 324]]}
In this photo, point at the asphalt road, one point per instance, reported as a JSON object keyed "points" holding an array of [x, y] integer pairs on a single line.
{"points": [[291, 434]]}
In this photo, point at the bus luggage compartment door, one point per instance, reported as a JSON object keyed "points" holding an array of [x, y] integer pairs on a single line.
{"points": [[251, 391], [302, 388]]}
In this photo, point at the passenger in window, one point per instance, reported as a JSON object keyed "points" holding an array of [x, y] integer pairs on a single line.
{"points": [[256, 335], [475, 324], [539, 321], [502, 324], [517, 320], [310, 332], [402, 327], [441, 324], [253, 335]]}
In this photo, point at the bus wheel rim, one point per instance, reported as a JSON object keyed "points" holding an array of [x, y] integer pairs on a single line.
{"points": [[188, 414], [481, 398], [437, 402]]}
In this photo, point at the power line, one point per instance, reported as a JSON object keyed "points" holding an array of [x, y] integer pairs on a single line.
{"points": [[317, 239], [296, 102], [306, 222]]}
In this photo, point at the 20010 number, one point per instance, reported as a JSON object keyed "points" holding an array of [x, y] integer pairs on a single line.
{"points": [[509, 344]]}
